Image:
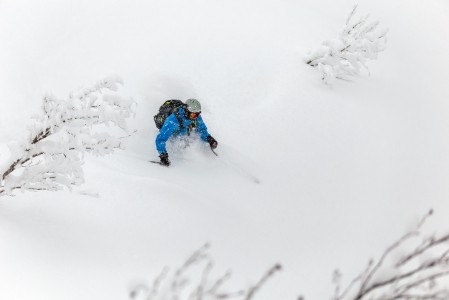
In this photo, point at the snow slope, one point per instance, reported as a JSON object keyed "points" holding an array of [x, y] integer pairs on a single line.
{"points": [[343, 170]]}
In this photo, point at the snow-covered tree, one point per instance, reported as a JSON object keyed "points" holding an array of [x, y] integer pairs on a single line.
{"points": [[52, 155], [344, 57], [421, 273], [194, 281]]}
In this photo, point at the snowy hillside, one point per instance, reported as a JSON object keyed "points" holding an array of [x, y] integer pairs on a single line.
{"points": [[344, 169]]}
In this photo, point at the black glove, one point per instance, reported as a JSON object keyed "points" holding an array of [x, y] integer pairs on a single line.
{"points": [[212, 142], [164, 159]]}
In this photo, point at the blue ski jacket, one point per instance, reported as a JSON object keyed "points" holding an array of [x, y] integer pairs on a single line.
{"points": [[171, 127]]}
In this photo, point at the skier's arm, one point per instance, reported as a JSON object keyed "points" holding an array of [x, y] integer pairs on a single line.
{"points": [[205, 136], [202, 129], [171, 124]]}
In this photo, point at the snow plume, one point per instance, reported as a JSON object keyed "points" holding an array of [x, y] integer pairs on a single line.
{"points": [[343, 58], [52, 155]]}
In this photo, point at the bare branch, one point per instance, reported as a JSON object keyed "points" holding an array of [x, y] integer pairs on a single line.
{"points": [[263, 280], [11, 169], [42, 135], [157, 283], [198, 287], [219, 282], [406, 281], [427, 244], [354, 281], [364, 290], [424, 280]]}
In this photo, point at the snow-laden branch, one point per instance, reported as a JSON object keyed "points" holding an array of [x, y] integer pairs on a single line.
{"points": [[52, 155], [418, 274], [344, 57], [188, 282]]}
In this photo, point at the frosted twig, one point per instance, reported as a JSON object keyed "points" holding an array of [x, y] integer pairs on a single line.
{"points": [[70, 124], [344, 57]]}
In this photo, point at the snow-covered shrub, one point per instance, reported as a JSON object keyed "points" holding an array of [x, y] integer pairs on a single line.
{"points": [[421, 273], [344, 57], [52, 155], [193, 281]]}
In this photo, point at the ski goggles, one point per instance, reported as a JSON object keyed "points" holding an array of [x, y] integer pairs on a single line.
{"points": [[194, 115]]}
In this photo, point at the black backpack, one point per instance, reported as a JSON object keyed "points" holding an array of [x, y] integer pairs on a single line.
{"points": [[166, 109]]}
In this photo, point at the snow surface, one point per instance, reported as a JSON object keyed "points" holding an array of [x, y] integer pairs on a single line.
{"points": [[344, 170]]}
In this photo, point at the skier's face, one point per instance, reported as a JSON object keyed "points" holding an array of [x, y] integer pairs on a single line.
{"points": [[193, 116]]}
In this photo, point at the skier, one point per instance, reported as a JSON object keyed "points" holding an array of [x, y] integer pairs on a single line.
{"points": [[184, 120]]}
